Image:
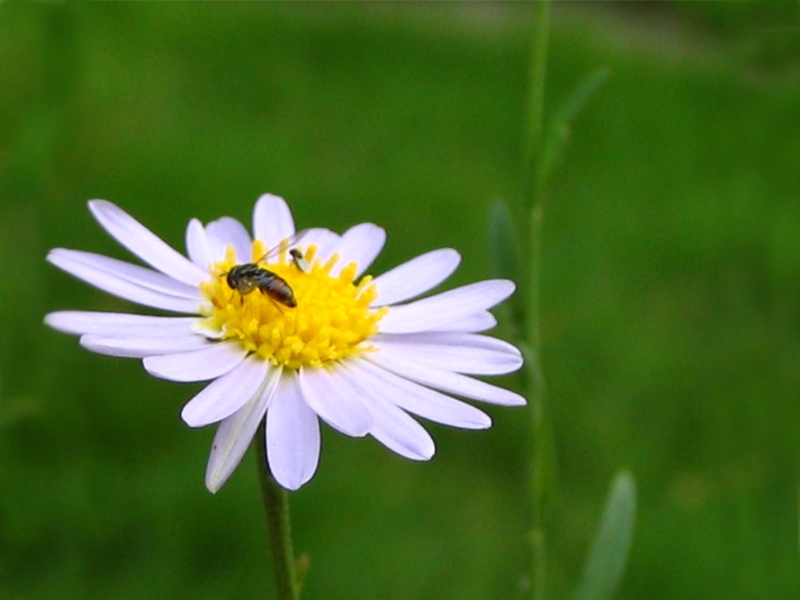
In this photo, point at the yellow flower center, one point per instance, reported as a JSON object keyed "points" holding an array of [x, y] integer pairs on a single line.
{"points": [[329, 322]]}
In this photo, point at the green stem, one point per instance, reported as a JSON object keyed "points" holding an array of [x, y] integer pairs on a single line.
{"points": [[533, 180], [534, 192], [276, 505], [540, 434]]}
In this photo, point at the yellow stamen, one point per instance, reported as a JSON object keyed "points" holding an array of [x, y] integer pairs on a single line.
{"points": [[331, 320]]}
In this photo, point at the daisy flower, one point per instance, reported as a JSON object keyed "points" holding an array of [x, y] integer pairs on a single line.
{"points": [[296, 335]]}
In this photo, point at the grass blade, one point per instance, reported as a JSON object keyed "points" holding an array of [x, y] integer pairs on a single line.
{"points": [[609, 553]]}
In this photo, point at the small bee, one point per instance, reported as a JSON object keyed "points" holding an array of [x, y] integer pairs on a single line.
{"points": [[247, 277], [298, 260]]}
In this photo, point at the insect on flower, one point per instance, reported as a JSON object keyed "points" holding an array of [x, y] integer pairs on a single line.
{"points": [[365, 355], [248, 277], [299, 261]]}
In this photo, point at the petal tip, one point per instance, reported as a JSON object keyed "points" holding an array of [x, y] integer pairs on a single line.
{"points": [[291, 485], [147, 363], [428, 453], [517, 400], [98, 206], [188, 417], [271, 202], [452, 253], [97, 203], [53, 255], [270, 198], [484, 423], [214, 483], [508, 285]]}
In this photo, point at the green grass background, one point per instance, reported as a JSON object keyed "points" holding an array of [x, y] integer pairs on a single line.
{"points": [[671, 288]]}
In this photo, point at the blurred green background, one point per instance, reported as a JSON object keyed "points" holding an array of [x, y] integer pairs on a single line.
{"points": [[671, 287]]}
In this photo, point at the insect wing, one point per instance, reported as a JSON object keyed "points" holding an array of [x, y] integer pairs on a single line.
{"points": [[284, 243]]}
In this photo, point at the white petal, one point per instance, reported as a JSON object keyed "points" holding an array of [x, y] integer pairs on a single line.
{"points": [[227, 394], [118, 324], [139, 347], [392, 426], [293, 440], [462, 353], [225, 232], [452, 383], [123, 287], [211, 362], [400, 433], [202, 327], [197, 245], [324, 239], [360, 244], [145, 244], [416, 276], [447, 307], [341, 410], [140, 276], [451, 338], [235, 433], [480, 321], [272, 220], [417, 399]]}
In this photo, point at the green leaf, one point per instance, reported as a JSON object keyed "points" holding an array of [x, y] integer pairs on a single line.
{"points": [[559, 129], [505, 258], [609, 553], [504, 252]]}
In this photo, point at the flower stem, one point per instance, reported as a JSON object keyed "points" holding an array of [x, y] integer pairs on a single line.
{"points": [[276, 505], [534, 140], [534, 192]]}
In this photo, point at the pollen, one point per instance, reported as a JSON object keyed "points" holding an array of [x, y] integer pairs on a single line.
{"points": [[331, 320]]}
